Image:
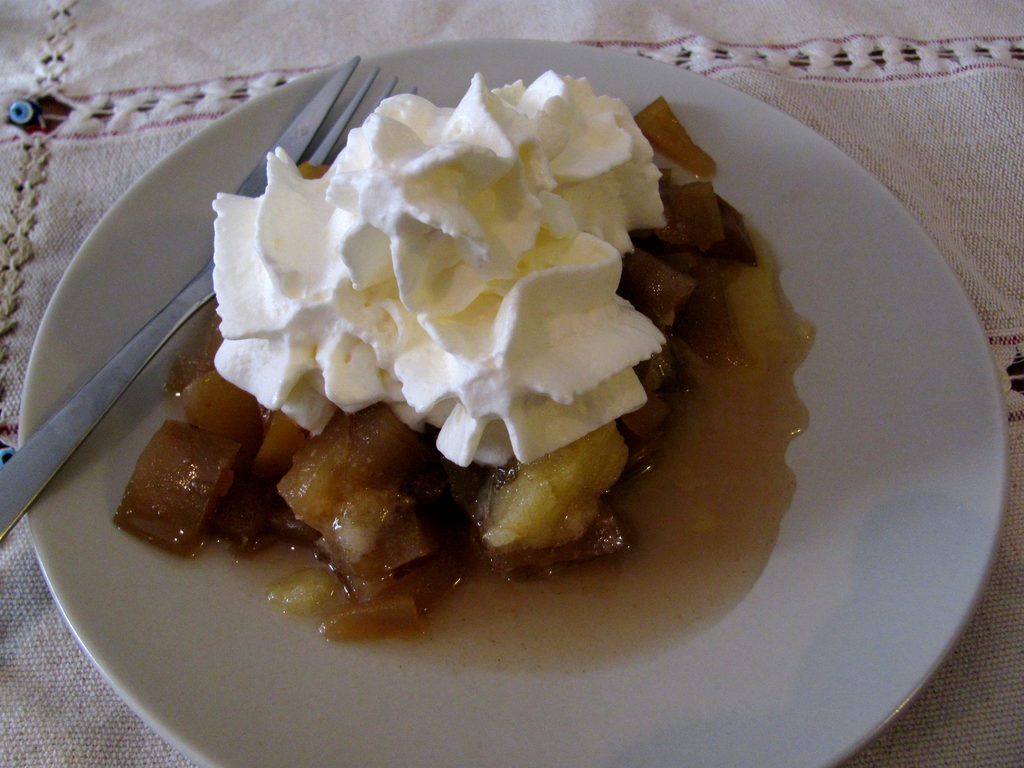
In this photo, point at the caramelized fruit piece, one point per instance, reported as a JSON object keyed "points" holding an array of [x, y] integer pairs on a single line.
{"points": [[281, 439], [663, 371], [653, 287], [304, 592], [179, 477], [391, 616], [705, 322], [668, 136], [427, 581], [648, 418], [284, 524], [316, 483], [364, 590], [428, 577], [736, 243], [369, 449], [349, 482], [187, 368], [385, 452], [376, 531], [310, 171], [692, 217], [602, 537], [761, 313], [434, 577], [243, 515], [218, 406], [553, 500], [661, 374], [642, 430], [471, 486], [696, 219]]}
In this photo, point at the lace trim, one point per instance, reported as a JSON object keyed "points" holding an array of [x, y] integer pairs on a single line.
{"points": [[29, 175], [1008, 350], [119, 111], [53, 60], [115, 112], [17, 225], [858, 58]]}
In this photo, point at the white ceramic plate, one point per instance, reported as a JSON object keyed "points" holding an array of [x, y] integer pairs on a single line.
{"points": [[901, 480]]}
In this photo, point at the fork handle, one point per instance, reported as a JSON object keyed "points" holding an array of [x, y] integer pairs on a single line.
{"points": [[39, 457]]}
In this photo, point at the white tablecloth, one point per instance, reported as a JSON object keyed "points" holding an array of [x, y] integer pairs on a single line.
{"points": [[926, 95]]}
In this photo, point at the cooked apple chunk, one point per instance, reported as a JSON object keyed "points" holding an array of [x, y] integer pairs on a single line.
{"points": [[181, 474], [555, 499], [392, 616], [375, 531], [218, 406], [355, 483], [368, 449], [603, 537], [304, 592], [667, 135], [281, 439]]}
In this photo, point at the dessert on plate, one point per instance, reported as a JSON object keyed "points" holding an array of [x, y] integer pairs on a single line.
{"points": [[448, 349]]}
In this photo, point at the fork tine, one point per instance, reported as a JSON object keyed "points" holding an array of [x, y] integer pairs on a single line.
{"points": [[319, 155], [297, 137], [314, 115], [389, 89], [326, 150]]}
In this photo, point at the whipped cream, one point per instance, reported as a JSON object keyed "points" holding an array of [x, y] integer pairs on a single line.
{"points": [[459, 264]]}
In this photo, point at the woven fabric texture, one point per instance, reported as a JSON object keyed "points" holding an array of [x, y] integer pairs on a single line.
{"points": [[931, 108]]}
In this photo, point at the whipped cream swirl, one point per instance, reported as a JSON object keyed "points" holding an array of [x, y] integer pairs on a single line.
{"points": [[459, 264]]}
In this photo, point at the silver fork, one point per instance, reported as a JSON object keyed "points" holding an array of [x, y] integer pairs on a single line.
{"points": [[39, 458]]}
